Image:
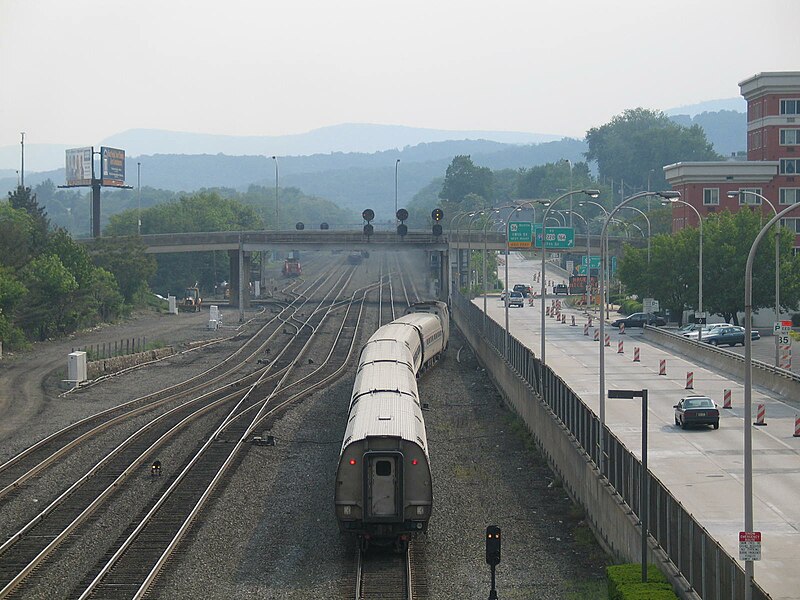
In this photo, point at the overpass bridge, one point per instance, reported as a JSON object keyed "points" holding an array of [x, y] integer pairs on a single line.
{"points": [[447, 254], [264, 241]]}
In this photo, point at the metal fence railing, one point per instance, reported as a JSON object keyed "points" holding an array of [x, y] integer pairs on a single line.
{"points": [[709, 569]]}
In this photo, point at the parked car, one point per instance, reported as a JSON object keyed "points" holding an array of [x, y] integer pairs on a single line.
{"points": [[524, 289], [640, 320], [696, 410], [721, 336], [706, 329], [561, 288], [516, 299]]}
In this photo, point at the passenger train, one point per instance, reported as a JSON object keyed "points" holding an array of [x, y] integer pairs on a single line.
{"points": [[384, 491]]}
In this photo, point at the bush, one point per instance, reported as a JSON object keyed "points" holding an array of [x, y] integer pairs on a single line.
{"points": [[625, 583]]}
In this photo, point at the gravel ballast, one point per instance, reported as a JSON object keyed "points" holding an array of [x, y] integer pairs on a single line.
{"points": [[271, 531]]}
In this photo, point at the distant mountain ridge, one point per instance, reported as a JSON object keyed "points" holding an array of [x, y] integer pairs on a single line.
{"points": [[348, 137], [344, 138]]}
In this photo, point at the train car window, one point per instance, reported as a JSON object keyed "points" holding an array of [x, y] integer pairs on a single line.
{"points": [[383, 468]]}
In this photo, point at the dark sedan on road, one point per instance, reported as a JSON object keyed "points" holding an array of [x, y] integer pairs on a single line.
{"points": [[696, 410], [640, 320]]}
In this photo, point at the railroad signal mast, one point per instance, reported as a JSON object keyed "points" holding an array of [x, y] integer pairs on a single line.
{"points": [[493, 541], [437, 215]]}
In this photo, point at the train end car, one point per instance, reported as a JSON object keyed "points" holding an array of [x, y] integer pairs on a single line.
{"points": [[384, 491]]}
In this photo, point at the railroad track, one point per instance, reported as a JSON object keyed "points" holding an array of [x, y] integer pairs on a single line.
{"points": [[207, 466], [385, 573]]}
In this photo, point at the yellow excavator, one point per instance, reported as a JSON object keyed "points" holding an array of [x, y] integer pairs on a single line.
{"points": [[191, 301]]}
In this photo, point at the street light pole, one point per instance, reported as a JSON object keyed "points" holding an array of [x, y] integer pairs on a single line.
{"points": [[275, 158], [700, 267], [396, 163], [748, 391], [469, 252], [591, 194], [139, 194], [458, 217], [603, 253], [22, 157], [777, 263], [648, 226]]}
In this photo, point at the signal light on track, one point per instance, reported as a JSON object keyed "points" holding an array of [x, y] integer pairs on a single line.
{"points": [[300, 226], [437, 230], [402, 214], [402, 230], [437, 214], [368, 214], [368, 229], [493, 545]]}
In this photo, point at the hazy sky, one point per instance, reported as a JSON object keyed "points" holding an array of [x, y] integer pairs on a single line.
{"points": [[75, 72]]}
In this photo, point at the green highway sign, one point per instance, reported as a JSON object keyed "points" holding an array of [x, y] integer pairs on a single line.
{"points": [[519, 234], [558, 238], [594, 262]]}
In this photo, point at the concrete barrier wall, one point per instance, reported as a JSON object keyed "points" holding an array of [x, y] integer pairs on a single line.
{"points": [[725, 361], [106, 366], [611, 519]]}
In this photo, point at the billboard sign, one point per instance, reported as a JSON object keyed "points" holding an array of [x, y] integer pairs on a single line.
{"points": [[557, 237], [112, 161], [519, 234], [79, 166]]}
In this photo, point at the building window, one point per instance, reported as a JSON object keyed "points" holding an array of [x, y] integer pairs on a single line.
{"points": [[710, 196], [789, 195], [790, 137], [790, 107], [790, 166], [749, 199], [791, 224], [757, 139]]}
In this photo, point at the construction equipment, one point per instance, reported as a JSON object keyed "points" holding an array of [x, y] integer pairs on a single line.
{"points": [[191, 301]]}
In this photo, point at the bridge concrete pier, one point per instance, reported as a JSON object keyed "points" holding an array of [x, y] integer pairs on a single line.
{"points": [[240, 286]]}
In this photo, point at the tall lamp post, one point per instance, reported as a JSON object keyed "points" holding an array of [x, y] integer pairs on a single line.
{"points": [[469, 252], [396, 163], [139, 194], [668, 195], [591, 194], [458, 218], [22, 159], [748, 391], [777, 262], [700, 266], [649, 230], [275, 158], [507, 292]]}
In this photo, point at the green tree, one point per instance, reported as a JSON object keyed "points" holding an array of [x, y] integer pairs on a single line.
{"points": [[50, 287], [24, 199], [127, 260], [463, 177], [635, 145], [16, 236], [672, 275]]}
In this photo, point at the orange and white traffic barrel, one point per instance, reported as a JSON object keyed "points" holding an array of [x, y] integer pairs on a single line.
{"points": [[622, 328], [761, 415], [636, 354], [726, 399], [796, 426], [608, 340], [662, 367], [620, 347], [573, 321], [596, 335], [690, 380]]}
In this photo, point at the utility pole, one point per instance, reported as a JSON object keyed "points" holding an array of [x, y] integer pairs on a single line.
{"points": [[22, 168]]}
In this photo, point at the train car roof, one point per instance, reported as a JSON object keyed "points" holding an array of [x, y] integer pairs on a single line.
{"points": [[386, 414]]}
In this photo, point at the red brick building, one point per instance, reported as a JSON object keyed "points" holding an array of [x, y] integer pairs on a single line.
{"points": [[772, 168]]}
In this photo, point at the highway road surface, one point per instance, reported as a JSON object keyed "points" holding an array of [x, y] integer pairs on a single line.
{"points": [[703, 468]]}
